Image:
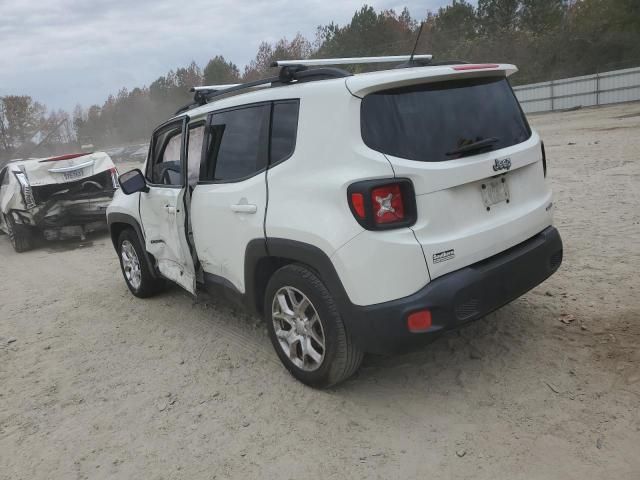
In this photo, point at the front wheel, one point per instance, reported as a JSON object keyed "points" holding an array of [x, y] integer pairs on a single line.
{"points": [[135, 267], [306, 328]]}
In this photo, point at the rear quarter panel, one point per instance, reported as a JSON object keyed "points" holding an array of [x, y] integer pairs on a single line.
{"points": [[307, 200]]}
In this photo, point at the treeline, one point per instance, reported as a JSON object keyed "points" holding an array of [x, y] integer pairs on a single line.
{"points": [[546, 38]]}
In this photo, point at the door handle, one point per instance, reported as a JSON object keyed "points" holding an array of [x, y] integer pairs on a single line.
{"points": [[244, 208], [171, 210]]}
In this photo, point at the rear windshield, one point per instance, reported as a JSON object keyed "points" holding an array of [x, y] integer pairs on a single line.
{"points": [[430, 122]]}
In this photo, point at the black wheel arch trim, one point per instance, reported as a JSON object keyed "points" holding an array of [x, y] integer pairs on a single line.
{"points": [[295, 252], [124, 218]]}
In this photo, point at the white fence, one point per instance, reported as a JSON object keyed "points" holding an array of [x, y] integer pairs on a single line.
{"points": [[599, 89]]}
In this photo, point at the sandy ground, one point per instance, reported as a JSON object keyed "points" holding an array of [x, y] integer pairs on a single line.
{"points": [[95, 383]]}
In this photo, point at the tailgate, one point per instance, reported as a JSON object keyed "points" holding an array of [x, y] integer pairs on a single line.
{"points": [[456, 227], [475, 164]]}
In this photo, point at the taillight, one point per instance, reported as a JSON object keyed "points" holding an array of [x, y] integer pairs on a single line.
{"points": [[357, 202], [383, 204], [114, 177], [27, 192], [544, 160], [388, 206]]}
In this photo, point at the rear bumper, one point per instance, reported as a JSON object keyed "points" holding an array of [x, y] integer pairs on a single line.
{"points": [[458, 297]]}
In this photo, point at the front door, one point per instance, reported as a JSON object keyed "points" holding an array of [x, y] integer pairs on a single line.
{"points": [[162, 208]]}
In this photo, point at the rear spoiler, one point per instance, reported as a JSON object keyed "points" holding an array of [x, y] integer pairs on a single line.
{"points": [[68, 156], [365, 83]]}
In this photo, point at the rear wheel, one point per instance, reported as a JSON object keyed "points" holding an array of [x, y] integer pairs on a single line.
{"points": [[21, 236], [306, 328], [135, 268]]}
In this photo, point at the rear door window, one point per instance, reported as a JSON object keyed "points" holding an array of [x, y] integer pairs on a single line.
{"points": [[430, 121], [237, 144]]}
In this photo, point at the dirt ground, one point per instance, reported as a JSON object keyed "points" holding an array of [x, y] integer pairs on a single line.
{"points": [[95, 383]]}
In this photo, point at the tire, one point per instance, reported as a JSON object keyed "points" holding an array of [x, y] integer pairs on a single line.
{"points": [[135, 267], [21, 236], [296, 338]]}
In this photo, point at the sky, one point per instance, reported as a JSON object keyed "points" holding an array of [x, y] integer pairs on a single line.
{"points": [[65, 52]]}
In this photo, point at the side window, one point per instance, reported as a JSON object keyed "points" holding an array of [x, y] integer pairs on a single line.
{"points": [[165, 169], [4, 177], [194, 153], [238, 144], [284, 128]]}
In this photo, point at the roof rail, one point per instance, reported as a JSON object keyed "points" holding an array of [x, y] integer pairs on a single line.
{"points": [[203, 94], [298, 71], [301, 73], [288, 75], [348, 60]]}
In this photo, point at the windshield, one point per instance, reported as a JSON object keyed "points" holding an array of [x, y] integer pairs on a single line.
{"points": [[433, 122]]}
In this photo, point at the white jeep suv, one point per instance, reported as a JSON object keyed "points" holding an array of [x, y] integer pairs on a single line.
{"points": [[356, 213]]}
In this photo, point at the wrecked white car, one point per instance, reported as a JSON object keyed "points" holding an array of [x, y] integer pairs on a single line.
{"points": [[57, 197]]}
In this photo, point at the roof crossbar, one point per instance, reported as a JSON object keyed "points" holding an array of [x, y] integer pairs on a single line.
{"points": [[215, 88], [234, 88], [349, 60], [203, 94]]}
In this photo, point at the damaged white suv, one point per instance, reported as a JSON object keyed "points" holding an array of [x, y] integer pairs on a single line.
{"points": [[57, 197], [356, 213]]}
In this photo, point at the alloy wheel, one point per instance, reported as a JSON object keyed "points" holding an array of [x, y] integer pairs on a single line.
{"points": [[298, 328], [131, 264]]}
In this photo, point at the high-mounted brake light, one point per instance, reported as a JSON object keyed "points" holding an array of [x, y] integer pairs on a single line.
{"points": [[476, 66], [383, 204]]}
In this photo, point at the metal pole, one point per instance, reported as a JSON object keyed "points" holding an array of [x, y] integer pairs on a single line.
{"points": [[597, 88]]}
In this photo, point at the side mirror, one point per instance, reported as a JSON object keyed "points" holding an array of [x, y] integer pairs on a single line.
{"points": [[133, 181]]}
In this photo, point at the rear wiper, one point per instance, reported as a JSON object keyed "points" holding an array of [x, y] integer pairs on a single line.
{"points": [[479, 145]]}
